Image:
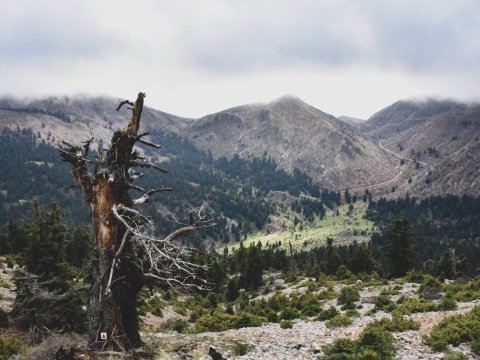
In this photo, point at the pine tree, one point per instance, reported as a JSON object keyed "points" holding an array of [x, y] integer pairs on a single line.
{"points": [[359, 258], [232, 290], [399, 247], [332, 259], [47, 241]]}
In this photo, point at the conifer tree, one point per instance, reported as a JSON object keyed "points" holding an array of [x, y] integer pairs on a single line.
{"points": [[398, 249]]}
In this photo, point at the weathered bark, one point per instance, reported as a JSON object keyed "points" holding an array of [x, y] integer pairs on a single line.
{"points": [[112, 299], [124, 258]]}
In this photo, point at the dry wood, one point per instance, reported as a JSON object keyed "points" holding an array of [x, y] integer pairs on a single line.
{"points": [[126, 257]]}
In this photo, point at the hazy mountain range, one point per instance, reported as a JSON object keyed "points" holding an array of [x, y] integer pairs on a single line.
{"points": [[420, 147]]}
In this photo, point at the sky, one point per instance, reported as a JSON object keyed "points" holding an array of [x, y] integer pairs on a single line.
{"points": [[195, 57]]}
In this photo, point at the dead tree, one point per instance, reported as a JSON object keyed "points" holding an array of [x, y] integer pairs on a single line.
{"points": [[126, 256]]}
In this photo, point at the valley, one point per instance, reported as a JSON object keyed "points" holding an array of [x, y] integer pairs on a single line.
{"points": [[345, 224], [304, 207]]}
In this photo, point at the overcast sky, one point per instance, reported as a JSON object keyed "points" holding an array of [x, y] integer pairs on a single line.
{"points": [[195, 57]]}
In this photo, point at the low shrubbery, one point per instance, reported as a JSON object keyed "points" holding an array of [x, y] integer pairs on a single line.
{"points": [[463, 292], [286, 324], [327, 314], [455, 355], [396, 323], [339, 320], [240, 348], [456, 330], [10, 347], [384, 303], [374, 343], [220, 321], [410, 305], [181, 326], [347, 297]]}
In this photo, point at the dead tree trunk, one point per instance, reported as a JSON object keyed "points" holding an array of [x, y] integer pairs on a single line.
{"points": [[121, 251]]}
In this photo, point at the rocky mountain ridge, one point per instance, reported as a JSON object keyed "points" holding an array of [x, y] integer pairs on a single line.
{"points": [[297, 136], [431, 137], [441, 139]]}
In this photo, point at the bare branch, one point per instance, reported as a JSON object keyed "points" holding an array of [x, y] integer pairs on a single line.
{"points": [[148, 143], [162, 260], [123, 103], [81, 174], [147, 165], [146, 196]]}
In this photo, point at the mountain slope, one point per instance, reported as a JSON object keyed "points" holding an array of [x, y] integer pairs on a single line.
{"points": [[296, 136], [78, 118], [442, 136], [405, 114]]}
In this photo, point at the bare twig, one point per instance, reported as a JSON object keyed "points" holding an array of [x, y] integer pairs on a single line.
{"points": [[147, 165], [146, 196], [123, 103]]}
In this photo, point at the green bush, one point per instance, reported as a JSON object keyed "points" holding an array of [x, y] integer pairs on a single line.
{"points": [[347, 297], [199, 311], [464, 292], [10, 347], [475, 345], [220, 321], [179, 326], [391, 290], [248, 320], [327, 314], [414, 276], [340, 349], [154, 305], [240, 349], [447, 303], [217, 321], [286, 324], [308, 304], [408, 305], [277, 302], [339, 320], [430, 287], [384, 303], [455, 330], [373, 343], [379, 341], [289, 314], [272, 316], [4, 284], [455, 355], [328, 294], [395, 324]]}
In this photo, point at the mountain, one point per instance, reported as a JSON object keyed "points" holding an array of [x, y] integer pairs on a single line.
{"points": [[438, 137], [352, 121], [78, 118], [296, 136], [405, 114], [441, 137]]}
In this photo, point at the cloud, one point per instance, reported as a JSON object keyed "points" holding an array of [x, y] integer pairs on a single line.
{"points": [[194, 57]]}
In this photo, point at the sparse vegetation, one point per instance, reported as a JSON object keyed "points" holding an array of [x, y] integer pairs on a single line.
{"points": [[10, 347], [339, 320], [456, 330]]}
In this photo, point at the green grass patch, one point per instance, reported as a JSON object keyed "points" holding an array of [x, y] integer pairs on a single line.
{"points": [[344, 227]]}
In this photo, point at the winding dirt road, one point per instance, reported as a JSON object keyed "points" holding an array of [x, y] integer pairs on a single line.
{"points": [[386, 182]]}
